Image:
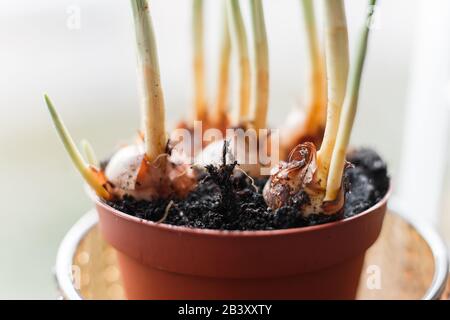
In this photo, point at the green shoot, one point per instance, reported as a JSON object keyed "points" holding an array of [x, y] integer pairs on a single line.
{"points": [[152, 99], [239, 43], [337, 58], [220, 111], [91, 177], [90, 153], [199, 60], [260, 99], [348, 110], [316, 106]]}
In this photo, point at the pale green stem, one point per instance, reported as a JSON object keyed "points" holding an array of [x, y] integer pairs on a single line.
{"points": [[224, 71], [316, 111], [239, 44], [89, 153], [152, 99], [198, 60], [89, 176], [337, 59], [349, 110], [260, 90], [312, 38]]}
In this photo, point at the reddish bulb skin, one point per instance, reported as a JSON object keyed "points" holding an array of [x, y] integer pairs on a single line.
{"points": [[294, 183]]}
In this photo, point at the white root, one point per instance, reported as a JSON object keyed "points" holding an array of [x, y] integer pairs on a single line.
{"points": [[166, 212]]}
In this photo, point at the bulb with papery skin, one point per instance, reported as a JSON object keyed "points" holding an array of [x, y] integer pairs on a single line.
{"points": [[130, 173], [294, 183], [123, 167]]}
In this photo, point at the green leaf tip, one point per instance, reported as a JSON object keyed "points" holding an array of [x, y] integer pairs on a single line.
{"points": [[89, 153], [91, 177]]}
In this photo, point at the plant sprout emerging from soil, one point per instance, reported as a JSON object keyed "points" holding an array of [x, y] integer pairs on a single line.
{"points": [[144, 171], [92, 175], [240, 45], [200, 106], [89, 152], [313, 180], [250, 112], [220, 118], [260, 91], [309, 126], [192, 141]]}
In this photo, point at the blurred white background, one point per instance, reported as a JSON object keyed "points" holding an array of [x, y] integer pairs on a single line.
{"points": [[90, 74]]}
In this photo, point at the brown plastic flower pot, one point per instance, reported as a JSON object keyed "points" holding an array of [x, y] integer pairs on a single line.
{"points": [[160, 261]]}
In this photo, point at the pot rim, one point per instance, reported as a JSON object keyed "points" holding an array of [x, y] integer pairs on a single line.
{"points": [[68, 246], [235, 233]]}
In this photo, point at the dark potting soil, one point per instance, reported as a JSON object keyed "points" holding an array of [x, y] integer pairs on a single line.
{"points": [[227, 201]]}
